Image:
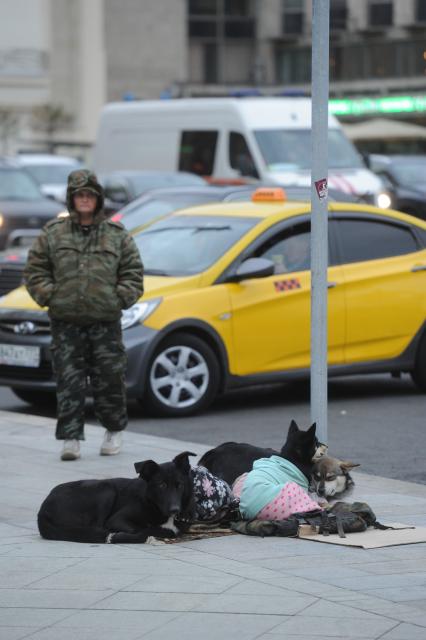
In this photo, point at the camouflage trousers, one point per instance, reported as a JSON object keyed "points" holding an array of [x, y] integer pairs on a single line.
{"points": [[88, 354]]}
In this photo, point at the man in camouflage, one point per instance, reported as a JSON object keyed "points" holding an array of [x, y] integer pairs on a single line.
{"points": [[86, 269]]}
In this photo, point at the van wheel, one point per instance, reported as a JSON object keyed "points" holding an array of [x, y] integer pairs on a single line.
{"points": [[183, 377], [418, 374], [36, 398]]}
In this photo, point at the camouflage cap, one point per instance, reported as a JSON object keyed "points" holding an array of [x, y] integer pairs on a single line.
{"points": [[84, 179]]}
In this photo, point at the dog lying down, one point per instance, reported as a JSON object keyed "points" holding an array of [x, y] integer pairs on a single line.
{"points": [[331, 477], [328, 476], [121, 510], [231, 459]]}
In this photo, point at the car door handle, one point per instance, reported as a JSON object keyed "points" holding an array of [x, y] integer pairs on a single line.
{"points": [[419, 267], [331, 285]]}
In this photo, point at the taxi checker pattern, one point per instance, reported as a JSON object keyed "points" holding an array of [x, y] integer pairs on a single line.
{"points": [[287, 285]]}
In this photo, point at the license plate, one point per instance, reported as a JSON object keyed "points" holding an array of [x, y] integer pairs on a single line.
{"points": [[17, 355]]}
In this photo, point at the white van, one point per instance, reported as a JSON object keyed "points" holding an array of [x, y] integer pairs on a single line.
{"points": [[226, 139]]}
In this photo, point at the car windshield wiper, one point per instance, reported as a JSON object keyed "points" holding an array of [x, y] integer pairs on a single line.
{"points": [[218, 228]]}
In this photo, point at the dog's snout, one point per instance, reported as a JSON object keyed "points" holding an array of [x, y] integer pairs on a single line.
{"points": [[321, 489], [174, 509], [175, 506]]}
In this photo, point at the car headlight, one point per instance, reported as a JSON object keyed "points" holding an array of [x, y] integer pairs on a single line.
{"points": [[138, 312], [384, 201], [1, 219]]}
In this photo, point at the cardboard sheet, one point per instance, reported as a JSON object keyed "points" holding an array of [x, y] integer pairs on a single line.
{"points": [[374, 538]]}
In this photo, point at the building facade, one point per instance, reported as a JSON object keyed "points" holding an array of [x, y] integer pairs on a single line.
{"points": [[377, 50], [80, 54]]}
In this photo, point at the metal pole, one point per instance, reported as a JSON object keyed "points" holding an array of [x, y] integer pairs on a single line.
{"points": [[319, 216]]}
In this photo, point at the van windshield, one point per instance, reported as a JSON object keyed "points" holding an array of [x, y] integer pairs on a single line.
{"points": [[184, 245], [290, 150]]}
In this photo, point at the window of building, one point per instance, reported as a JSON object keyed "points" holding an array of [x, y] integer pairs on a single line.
{"points": [[362, 240], [419, 57], [217, 22], [210, 67], [338, 15], [381, 13], [385, 59], [293, 16], [241, 8], [239, 29], [202, 7], [396, 59], [197, 152], [404, 59], [202, 29], [421, 10], [240, 157], [381, 60], [233, 18], [294, 65]]}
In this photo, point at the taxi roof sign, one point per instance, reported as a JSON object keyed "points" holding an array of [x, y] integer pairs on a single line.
{"points": [[269, 194]]}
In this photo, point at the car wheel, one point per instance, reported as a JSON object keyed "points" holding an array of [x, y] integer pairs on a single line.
{"points": [[37, 398], [183, 377], [418, 374]]}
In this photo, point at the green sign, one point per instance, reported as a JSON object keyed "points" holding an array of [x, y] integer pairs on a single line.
{"points": [[366, 106]]}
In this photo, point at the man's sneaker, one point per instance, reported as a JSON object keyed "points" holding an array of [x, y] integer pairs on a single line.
{"points": [[111, 443], [70, 450]]}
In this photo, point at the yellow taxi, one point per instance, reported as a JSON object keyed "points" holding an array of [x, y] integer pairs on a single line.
{"points": [[227, 303]]}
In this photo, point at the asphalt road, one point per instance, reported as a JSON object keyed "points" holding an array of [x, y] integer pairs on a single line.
{"points": [[377, 421]]}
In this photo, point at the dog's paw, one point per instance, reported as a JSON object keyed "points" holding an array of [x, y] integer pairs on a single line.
{"points": [[154, 541], [323, 502], [161, 533]]}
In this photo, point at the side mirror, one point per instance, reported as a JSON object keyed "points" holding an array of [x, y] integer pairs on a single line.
{"points": [[253, 268]]}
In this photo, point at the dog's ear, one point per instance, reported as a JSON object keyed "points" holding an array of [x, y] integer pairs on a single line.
{"points": [[293, 428], [321, 452], [146, 469], [312, 429], [346, 465], [182, 461]]}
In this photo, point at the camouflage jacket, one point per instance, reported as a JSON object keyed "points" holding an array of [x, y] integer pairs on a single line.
{"points": [[84, 276]]}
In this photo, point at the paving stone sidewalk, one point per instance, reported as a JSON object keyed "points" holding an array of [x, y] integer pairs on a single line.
{"points": [[213, 589]]}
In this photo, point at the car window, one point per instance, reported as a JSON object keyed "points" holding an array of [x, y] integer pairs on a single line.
{"points": [[362, 240], [51, 173], [141, 183], [410, 173], [421, 234], [289, 250], [145, 213], [290, 149], [197, 152], [18, 185], [135, 215], [240, 157], [184, 245], [116, 191]]}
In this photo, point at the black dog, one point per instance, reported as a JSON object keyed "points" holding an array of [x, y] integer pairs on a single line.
{"points": [[121, 510], [231, 459]]}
